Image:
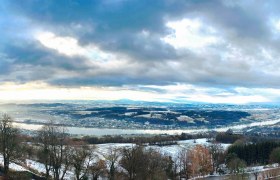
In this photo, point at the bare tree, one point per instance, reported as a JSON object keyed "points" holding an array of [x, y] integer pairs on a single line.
{"points": [[156, 164], [112, 159], [81, 156], [97, 169], [200, 161], [9, 143], [55, 150], [217, 152], [183, 164], [60, 153], [132, 160], [174, 167], [141, 163], [44, 153]]}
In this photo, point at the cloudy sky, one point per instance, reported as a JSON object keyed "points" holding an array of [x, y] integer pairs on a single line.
{"points": [[160, 50]]}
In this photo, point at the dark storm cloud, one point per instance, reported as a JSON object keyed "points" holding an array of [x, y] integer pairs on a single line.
{"points": [[133, 30], [37, 55], [114, 25], [30, 61]]}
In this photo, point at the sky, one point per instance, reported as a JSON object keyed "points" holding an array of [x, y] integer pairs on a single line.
{"points": [[218, 51]]}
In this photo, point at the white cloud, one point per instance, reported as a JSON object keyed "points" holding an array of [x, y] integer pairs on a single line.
{"points": [[187, 92], [191, 34], [69, 46], [180, 92], [277, 25], [170, 93], [232, 99], [42, 91], [64, 45]]}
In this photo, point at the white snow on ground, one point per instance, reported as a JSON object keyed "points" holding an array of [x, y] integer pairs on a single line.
{"points": [[174, 150], [130, 113], [262, 168], [107, 147], [202, 141], [35, 165], [12, 165], [185, 118], [171, 150], [39, 167], [102, 150]]}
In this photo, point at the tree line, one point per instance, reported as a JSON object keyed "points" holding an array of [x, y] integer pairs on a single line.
{"points": [[254, 153], [150, 140]]}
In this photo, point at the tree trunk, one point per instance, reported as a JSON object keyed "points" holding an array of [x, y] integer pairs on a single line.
{"points": [[94, 176], [56, 174], [47, 173], [6, 165], [78, 176], [112, 172]]}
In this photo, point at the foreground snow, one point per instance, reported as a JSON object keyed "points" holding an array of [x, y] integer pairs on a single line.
{"points": [[13, 166], [102, 150]]}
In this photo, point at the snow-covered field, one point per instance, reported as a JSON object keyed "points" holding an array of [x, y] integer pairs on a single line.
{"points": [[174, 150], [39, 167], [12, 165], [102, 150], [170, 150]]}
